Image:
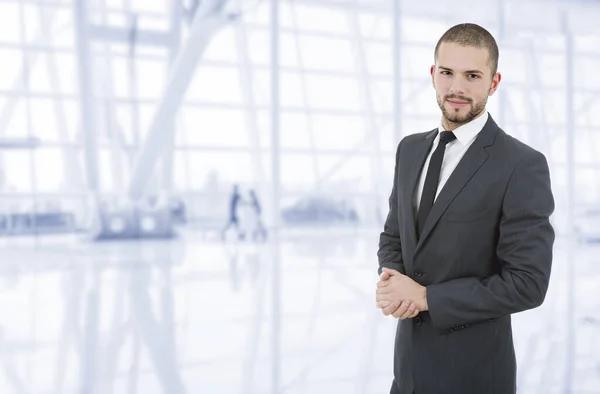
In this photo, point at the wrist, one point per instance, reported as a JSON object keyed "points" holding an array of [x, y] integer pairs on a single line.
{"points": [[424, 298]]}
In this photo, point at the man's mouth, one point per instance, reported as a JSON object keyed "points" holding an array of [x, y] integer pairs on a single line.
{"points": [[457, 103]]}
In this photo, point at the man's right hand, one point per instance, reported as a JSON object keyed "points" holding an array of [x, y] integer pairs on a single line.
{"points": [[404, 310]]}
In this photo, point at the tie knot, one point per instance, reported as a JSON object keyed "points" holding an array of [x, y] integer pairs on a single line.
{"points": [[446, 137]]}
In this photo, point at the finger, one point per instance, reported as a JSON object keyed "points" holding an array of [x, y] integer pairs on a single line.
{"points": [[384, 276], [383, 297], [410, 312], [390, 272], [383, 290], [382, 284], [390, 308], [398, 313], [383, 304]]}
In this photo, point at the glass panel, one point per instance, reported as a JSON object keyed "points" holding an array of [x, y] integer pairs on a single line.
{"points": [[331, 92], [549, 70], [342, 133], [15, 118], [375, 26], [295, 131], [16, 174], [39, 77], [214, 84], [230, 167], [63, 30], [289, 50], [297, 172], [146, 116], [585, 73], [151, 77], [181, 170], [418, 98], [323, 19], [415, 61], [66, 71], [292, 90], [120, 75], [347, 173], [12, 62], [422, 30], [587, 185], [223, 46], [327, 53], [124, 122], [10, 21], [114, 170], [379, 58], [72, 119], [513, 66], [45, 122], [50, 170], [258, 46], [214, 127]]}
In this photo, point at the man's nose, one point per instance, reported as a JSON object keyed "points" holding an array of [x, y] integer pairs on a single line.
{"points": [[457, 88]]}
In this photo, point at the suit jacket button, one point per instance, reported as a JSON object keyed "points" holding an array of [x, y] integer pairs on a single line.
{"points": [[418, 320], [418, 273]]}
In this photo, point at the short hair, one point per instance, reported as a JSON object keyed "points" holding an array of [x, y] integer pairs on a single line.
{"points": [[470, 34]]}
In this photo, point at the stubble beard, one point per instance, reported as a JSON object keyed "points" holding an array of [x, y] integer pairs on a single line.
{"points": [[453, 115]]}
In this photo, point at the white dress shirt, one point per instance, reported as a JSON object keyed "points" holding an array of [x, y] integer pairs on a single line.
{"points": [[455, 150]]}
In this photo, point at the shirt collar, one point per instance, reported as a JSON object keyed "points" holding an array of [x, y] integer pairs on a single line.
{"points": [[467, 132]]}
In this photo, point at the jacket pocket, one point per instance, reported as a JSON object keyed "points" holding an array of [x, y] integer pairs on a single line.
{"points": [[468, 216]]}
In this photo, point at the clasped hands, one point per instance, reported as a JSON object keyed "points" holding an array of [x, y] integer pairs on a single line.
{"points": [[400, 296]]}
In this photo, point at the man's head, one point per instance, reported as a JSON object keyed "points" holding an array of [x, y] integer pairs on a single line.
{"points": [[465, 72]]}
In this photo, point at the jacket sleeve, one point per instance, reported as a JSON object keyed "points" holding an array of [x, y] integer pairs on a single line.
{"points": [[390, 248], [524, 249]]}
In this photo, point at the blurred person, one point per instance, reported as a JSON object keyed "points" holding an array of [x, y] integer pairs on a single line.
{"points": [[467, 241], [234, 214], [258, 229]]}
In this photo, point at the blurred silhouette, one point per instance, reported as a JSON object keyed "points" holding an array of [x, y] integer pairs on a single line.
{"points": [[234, 214], [258, 229]]}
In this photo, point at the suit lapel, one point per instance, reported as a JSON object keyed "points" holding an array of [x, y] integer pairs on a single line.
{"points": [[417, 160], [473, 159]]}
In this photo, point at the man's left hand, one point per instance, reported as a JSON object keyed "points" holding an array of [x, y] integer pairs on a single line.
{"points": [[398, 288]]}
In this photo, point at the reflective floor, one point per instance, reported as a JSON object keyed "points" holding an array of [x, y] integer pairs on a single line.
{"points": [[194, 315]]}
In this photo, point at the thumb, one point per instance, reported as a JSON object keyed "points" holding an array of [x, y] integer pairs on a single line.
{"points": [[390, 272], [384, 276]]}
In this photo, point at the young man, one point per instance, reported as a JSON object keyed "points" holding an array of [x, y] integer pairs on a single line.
{"points": [[467, 241]]}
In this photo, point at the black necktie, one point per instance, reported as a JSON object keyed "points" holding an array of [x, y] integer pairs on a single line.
{"points": [[432, 179]]}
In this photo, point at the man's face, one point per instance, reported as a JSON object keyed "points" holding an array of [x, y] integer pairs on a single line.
{"points": [[463, 80]]}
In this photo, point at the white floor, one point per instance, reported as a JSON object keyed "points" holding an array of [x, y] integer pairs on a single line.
{"points": [[193, 315]]}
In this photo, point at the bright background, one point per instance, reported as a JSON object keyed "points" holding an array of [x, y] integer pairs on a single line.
{"points": [[125, 124]]}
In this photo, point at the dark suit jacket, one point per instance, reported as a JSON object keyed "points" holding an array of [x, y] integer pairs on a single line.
{"points": [[485, 252]]}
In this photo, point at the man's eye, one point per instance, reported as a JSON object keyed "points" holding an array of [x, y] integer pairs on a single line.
{"points": [[473, 76], [445, 72]]}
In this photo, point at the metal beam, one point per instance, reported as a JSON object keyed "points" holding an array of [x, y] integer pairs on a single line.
{"points": [[570, 148], [397, 85], [87, 123], [275, 247], [166, 178], [310, 121], [72, 170], [359, 50], [122, 35], [181, 73]]}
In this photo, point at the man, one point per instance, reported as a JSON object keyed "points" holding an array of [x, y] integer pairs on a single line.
{"points": [[467, 241]]}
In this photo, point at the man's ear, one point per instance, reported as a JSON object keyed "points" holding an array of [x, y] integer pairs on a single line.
{"points": [[495, 83], [432, 72]]}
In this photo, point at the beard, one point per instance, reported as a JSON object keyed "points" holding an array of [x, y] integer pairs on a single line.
{"points": [[454, 116]]}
